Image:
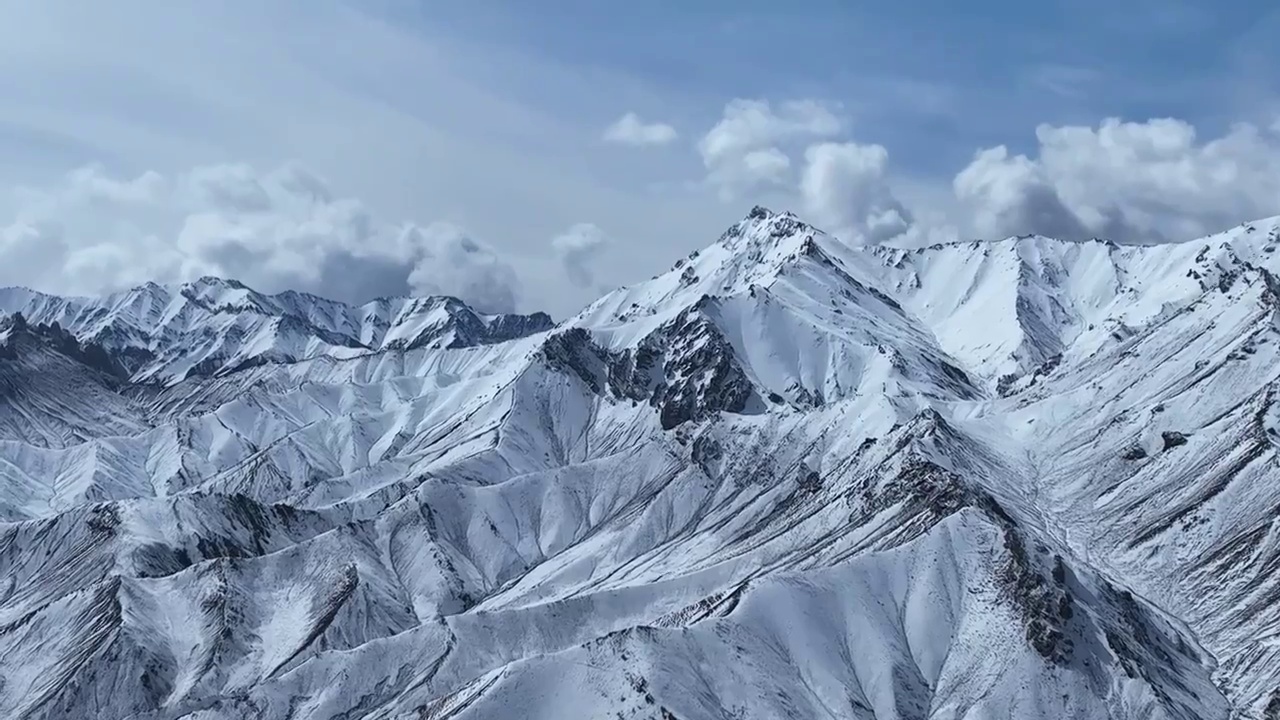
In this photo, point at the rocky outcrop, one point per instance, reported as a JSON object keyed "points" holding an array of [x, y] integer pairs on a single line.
{"points": [[686, 369]]}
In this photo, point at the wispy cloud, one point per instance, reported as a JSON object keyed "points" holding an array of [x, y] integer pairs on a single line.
{"points": [[1068, 81], [631, 130], [578, 248]]}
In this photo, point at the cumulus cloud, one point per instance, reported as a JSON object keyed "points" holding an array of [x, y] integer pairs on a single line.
{"points": [[746, 149], [631, 130], [1137, 182], [450, 262], [845, 188], [578, 248], [1013, 196], [277, 230], [1147, 181]]}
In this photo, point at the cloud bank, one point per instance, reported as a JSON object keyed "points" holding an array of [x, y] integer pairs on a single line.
{"points": [[1132, 182], [277, 230], [1141, 182]]}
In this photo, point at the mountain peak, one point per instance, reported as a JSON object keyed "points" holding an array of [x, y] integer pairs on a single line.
{"points": [[761, 214], [763, 228], [214, 281]]}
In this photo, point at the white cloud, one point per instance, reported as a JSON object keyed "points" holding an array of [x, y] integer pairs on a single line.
{"points": [[845, 188], [767, 166], [95, 233], [1130, 181], [1153, 181], [631, 130], [450, 262], [578, 248], [746, 149], [1012, 196]]}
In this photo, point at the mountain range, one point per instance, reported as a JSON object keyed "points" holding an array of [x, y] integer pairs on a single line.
{"points": [[787, 478]]}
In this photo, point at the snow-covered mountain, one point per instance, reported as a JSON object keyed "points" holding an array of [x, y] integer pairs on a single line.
{"points": [[787, 478], [213, 326]]}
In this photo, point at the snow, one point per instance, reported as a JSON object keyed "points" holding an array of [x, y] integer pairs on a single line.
{"points": [[787, 478]]}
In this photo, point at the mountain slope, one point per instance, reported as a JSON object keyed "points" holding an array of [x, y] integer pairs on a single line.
{"points": [[787, 478]]}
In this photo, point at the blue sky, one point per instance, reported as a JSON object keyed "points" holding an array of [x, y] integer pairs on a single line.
{"points": [[489, 118], [909, 67]]}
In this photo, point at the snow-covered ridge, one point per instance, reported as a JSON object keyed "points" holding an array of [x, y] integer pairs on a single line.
{"points": [[1033, 297], [786, 478], [166, 333]]}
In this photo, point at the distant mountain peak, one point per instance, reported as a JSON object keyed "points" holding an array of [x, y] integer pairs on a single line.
{"points": [[214, 324], [216, 281]]}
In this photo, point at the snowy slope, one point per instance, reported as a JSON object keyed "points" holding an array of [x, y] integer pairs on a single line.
{"points": [[787, 478]]}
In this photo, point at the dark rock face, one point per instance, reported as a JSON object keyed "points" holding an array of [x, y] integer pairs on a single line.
{"points": [[701, 374], [1034, 580], [786, 225], [1045, 604], [810, 480], [1004, 386], [1035, 585], [471, 329], [924, 485], [1010, 383], [686, 369], [1134, 453], [574, 353], [801, 397], [293, 323], [54, 337], [512, 326], [634, 375]]}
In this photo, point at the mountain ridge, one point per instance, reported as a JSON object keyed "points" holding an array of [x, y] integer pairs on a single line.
{"points": [[788, 477], [252, 327]]}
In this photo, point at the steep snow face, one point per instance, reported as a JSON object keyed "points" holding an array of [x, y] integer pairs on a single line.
{"points": [[1010, 306], [1006, 308], [787, 478]]}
